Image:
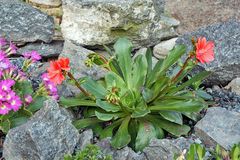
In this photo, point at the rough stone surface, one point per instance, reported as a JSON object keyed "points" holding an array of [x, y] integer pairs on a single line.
{"points": [[86, 138], [48, 135], [53, 49], [77, 56], [162, 49], [53, 3], [97, 22], [226, 37], [22, 23], [234, 85], [125, 153], [193, 14], [165, 149], [219, 126]]}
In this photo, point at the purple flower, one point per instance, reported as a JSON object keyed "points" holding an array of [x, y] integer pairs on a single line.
{"points": [[3, 42], [13, 48], [6, 85], [4, 61], [4, 108], [45, 78], [2, 95], [15, 103], [28, 99], [10, 95], [34, 56], [51, 87]]}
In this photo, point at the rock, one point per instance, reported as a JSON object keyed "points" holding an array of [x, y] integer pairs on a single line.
{"points": [[226, 65], [77, 56], [193, 14], [219, 126], [86, 138], [165, 149], [234, 85], [22, 23], [97, 22], [53, 49], [143, 51], [125, 153], [54, 3], [48, 135], [162, 49]]}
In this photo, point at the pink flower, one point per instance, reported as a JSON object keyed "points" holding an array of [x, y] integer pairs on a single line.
{"points": [[204, 50], [6, 85], [28, 99], [34, 56], [4, 108], [15, 103], [2, 95]]}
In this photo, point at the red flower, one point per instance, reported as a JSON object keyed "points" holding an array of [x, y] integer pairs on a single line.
{"points": [[55, 71], [205, 50]]}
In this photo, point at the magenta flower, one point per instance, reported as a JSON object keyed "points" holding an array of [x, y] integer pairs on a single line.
{"points": [[2, 95], [28, 99], [45, 77], [13, 48], [34, 56], [15, 103], [4, 61], [4, 108], [3, 42], [6, 85], [10, 95], [52, 87]]}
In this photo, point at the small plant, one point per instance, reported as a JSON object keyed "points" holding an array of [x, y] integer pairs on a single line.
{"points": [[198, 152], [137, 101], [18, 99], [90, 152]]}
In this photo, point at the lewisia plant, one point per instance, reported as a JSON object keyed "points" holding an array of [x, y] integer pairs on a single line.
{"points": [[136, 100], [18, 99]]}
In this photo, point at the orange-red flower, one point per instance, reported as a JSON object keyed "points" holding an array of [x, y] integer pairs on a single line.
{"points": [[55, 71], [204, 50]]}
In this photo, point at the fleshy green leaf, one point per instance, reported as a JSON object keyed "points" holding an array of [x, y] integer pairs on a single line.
{"points": [[108, 116], [122, 137], [94, 88], [74, 102], [18, 121], [108, 106], [25, 87], [172, 116], [146, 132], [5, 126], [36, 104], [141, 110], [123, 48], [83, 123], [108, 131]]}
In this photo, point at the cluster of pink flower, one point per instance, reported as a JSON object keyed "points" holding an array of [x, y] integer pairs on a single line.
{"points": [[10, 74]]}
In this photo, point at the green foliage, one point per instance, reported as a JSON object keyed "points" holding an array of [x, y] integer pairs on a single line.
{"points": [[137, 101], [90, 152], [198, 152]]}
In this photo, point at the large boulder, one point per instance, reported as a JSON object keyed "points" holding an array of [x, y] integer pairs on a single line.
{"points": [[226, 37], [22, 23], [52, 3], [47, 136], [97, 22], [193, 14], [219, 126]]}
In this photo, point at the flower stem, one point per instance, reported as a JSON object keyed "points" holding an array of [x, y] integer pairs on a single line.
{"points": [[77, 84]]}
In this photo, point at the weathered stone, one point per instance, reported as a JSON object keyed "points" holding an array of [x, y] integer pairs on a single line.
{"points": [[219, 126], [234, 85], [97, 22], [48, 135], [198, 13], [162, 49], [125, 153], [50, 3], [53, 49], [165, 149], [22, 23], [85, 139], [77, 56], [226, 37]]}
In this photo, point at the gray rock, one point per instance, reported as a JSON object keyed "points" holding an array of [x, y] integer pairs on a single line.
{"points": [[125, 153], [162, 49], [143, 52], [77, 56], [97, 22], [53, 49], [86, 138], [226, 37], [53, 3], [234, 85], [165, 149], [48, 135], [193, 14], [22, 23], [219, 126]]}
